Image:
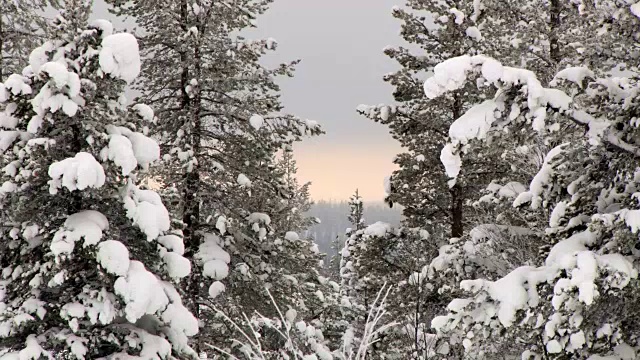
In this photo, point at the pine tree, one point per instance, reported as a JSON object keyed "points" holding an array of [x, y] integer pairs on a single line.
{"points": [[545, 36], [221, 125], [435, 209], [87, 255], [377, 256], [356, 214], [421, 125], [576, 299], [535, 34], [297, 198], [356, 219]]}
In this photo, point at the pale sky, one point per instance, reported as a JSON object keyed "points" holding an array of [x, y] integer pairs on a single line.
{"points": [[340, 43]]}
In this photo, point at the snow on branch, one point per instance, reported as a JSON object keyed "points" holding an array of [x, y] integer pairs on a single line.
{"points": [[120, 57], [478, 121], [77, 173], [576, 273]]}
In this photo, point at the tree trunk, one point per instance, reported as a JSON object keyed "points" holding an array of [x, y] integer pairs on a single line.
{"points": [[457, 196], [191, 104], [76, 147], [1, 50], [457, 216], [554, 27]]}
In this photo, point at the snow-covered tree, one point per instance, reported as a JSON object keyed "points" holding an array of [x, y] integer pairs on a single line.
{"points": [[578, 299], [356, 213], [22, 28], [540, 35], [221, 124], [296, 200], [344, 259], [356, 219], [475, 204], [420, 124], [87, 255], [334, 219], [296, 278], [435, 209], [379, 255]]}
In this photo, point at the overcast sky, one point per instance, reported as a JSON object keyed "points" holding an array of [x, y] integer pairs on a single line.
{"points": [[340, 44]]}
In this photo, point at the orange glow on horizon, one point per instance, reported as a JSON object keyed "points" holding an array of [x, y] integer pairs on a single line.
{"points": [[337, 172]]}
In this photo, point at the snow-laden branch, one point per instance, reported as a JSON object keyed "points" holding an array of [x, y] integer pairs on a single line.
{"points": [[478, 121]]}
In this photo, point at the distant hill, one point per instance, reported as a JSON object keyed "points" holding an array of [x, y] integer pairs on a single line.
{"points": [[333, 216]]}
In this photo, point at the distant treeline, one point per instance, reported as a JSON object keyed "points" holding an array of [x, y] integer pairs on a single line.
{"points": [[334, 220]]}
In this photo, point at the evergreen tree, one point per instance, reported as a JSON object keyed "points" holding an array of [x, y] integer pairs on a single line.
{"points": [[575, 299], [434, 208], [333, 221], [22, 28], [337, 244], [87, 255], [356, 214], [356, 218], [380, 255], [294, 269], [297, 198], [221, 125], [535, 34], [420, 125], [344, 258], [375, 256], [542, 35]]}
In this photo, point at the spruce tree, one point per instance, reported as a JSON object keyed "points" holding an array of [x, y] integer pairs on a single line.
{"points": [[356, 219], [87, 254], [356, 213], [296, 200], [343, 260]]}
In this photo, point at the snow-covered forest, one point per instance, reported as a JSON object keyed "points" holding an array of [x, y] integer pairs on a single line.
{"points": [[333, 221], [150, 204]]}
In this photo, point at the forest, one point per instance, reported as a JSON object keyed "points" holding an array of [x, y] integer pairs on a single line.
{"points": [[150, 206], [330, 229]]}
